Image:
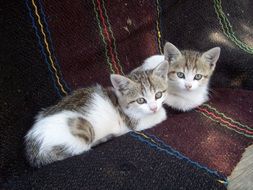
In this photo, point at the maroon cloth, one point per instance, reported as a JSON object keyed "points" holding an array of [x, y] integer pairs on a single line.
{"points": [[85, 45], [92, 39], [209, 142]]}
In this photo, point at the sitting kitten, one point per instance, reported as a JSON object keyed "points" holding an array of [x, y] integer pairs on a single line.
{"points": [[188, 75], [92, 115]]}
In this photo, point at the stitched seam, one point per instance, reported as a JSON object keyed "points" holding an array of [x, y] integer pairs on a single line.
{"points": [[161, 146], [41, 48], [47, 47], [103, 38]]}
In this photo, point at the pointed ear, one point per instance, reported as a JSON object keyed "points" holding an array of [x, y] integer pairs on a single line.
{"points": [[137, 69], [162, 70], [120, 82], [171, 52], [211, 56]]}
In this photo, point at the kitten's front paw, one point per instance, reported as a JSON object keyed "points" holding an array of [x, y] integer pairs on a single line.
{"points": [[162, 114]]}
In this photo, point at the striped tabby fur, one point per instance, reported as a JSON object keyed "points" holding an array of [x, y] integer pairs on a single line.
{"points": [[189, 74]]}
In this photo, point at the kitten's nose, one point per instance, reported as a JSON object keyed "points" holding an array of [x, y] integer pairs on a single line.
{"points": [[188, 86], [153, 108]]}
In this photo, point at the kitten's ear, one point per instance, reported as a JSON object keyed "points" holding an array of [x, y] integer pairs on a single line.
{"points": [[137, 69], [171, 52], [211, 56], [162, 69], [120, 82]]}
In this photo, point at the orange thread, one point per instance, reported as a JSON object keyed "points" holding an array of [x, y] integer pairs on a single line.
{"points": [[47, 47]]}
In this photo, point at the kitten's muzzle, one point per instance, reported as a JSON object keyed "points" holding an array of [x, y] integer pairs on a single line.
{"points": [[153, 107], [188, 86]]}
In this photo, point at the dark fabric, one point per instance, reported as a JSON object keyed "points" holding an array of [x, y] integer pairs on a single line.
{"points": [[26, 84], [201, 25], [123, 163], [50, 48], [207, 136]]}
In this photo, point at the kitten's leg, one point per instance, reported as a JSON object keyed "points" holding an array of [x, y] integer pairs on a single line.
{"points": [[242, 176]]}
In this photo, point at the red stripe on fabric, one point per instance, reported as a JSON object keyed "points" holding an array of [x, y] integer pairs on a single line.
{"points": [[225, 122], [108, 38]]}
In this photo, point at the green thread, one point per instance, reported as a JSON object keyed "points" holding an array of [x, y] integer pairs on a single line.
{"points": [[103, 39], [228, 29], [114, 43], [226, 117], [217, 121]]}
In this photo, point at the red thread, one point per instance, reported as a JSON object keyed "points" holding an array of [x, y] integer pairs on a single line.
{"points": [[226, 122], [108, 37]]}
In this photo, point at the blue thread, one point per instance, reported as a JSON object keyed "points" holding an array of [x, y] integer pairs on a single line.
{"points": [[178, 155], [52, 47], [42, 49]]}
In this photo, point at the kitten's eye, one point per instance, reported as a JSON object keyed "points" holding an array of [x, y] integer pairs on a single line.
{"points": [[158, 95], [180, 75], [141, 101], [198, 77]]}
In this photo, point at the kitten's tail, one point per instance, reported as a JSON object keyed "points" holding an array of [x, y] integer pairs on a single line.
{"points": [[37, 157], [40, 150]]}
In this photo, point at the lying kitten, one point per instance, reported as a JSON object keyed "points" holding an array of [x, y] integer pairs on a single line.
{"points": [[92, 115], [189, 74]]}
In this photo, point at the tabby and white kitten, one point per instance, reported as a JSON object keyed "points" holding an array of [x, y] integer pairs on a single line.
{"points": [[188, 75], [92, 115]]}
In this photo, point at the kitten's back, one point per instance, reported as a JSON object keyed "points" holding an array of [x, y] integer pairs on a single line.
{"points": [[72, 126]]}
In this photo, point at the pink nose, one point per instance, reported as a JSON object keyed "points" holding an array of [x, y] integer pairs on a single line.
{"points": [[154, 108], [188, 86]]}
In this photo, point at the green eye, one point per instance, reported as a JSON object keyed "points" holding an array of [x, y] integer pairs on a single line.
{"points": [[198, 77], [141, 101], [180, 75], [158, 95]]}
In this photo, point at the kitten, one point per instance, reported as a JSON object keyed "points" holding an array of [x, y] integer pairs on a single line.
{"points": [[189, 74], [242, 176], [92, 115]]}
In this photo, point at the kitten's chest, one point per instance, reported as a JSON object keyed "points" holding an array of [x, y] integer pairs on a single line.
{"points": [[106, 119], [186, 101]]}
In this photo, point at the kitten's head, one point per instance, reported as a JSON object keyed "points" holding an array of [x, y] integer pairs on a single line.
{"points": [[189, 70], [142, 92]]}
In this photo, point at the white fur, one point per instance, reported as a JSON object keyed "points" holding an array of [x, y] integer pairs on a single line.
{"points": [[152, 120], [54, 130], [178, 96], [106, 121]]}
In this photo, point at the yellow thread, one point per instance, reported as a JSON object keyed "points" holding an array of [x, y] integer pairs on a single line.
{"points": [[142, 134], [158, 27], [149, 138], [47, 47], [222, 182]]}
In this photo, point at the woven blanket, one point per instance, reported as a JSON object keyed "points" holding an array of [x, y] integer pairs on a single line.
{"points": [[51, 48]]}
